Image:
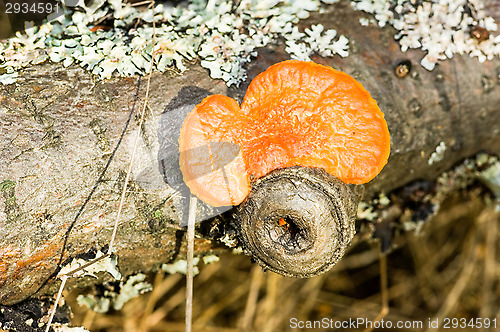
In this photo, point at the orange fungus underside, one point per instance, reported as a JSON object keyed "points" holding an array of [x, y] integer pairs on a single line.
{"points": [[294, 113]]}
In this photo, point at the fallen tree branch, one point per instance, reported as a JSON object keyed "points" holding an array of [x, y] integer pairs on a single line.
{"points": [[58, 128]]}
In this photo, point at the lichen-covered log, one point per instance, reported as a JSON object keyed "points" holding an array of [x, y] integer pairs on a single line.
{"points": [[59, 127]]}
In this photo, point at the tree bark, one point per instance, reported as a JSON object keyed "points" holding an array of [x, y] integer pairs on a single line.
{"points": [[59, 128]]}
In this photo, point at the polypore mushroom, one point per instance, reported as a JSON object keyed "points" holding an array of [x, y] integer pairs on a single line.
{"points": [[295, 116]]}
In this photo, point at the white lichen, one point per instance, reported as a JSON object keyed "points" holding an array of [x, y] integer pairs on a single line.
{"points": [[237, 251], [366, 211], [364, 22], [383, 200], [482, 159], [224, 38], [106, 264], [491, 178], [8, 78], [180, 266], [58, 327], [209, 259], [98, 304], [229, 240], [438, 154], [439, 27], [413, 226], [133, 287]]}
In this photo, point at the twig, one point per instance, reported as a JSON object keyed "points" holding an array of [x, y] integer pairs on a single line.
{"points": [[95, 260], [383, 289], [147, 2], [124, 191], [89, 196], [190, 267], [132, 156], [58, 297]]}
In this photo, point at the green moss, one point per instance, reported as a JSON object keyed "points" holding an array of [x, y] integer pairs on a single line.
{"points": [[52, 140], [8, 188], [156, 217], [158, 214], [152, 211], [99, 129], [6, 184]]}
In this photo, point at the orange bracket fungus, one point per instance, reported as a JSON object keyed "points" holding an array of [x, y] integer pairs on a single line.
{"points": [[303, 135]]}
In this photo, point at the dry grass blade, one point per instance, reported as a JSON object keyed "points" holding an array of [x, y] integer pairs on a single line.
{"points": [[124, 190], [136, 144], [161, 286], [173, 302], [271, 301], [310, 291], [211, 311], [190, 258], [58, 297], [469, 263], [490, 226], [253, 295], [383, 290]]}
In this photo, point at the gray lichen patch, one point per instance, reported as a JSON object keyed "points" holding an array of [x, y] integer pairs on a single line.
{"points": [[223, 35], [98, 127], [51, 139], [133, 287], [411, 207], [465, 174], [180, 266], [11, 208], [491, 177], [366, 211], [442, 28]]}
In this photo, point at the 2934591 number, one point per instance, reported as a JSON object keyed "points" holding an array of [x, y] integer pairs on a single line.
{"points": [[34, 8], [464, 323]]}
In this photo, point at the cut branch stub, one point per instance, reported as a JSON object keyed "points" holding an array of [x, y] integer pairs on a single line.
{"points": [[297, 221]]}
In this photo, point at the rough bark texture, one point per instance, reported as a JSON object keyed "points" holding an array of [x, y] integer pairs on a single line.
{"points": [[58, 127]]}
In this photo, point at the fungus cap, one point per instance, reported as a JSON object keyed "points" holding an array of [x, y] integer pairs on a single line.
{"points": [[293, 114]]}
